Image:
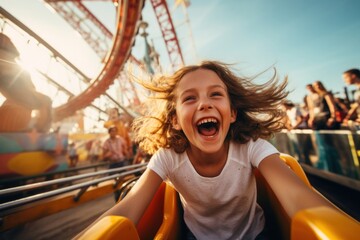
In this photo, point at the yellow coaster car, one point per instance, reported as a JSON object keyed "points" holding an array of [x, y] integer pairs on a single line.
{"points": [[163, 217]]}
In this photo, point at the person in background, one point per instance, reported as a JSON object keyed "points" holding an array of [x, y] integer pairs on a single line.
{"points": [[341, 109], [323, 116], [295, 120], [95, 151], [73, 155], [115, 149], [298, 141], [352, 77], [312, 99], [322, 112], [116, 119]]}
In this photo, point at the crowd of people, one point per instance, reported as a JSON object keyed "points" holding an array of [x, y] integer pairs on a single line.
{"points": [[323, 110]]}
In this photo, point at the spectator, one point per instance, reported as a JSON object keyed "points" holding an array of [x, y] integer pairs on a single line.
{"points": [[73, 156], [95, 151], [322, 111], [295, 120], [341, 109], [324, 117], [116, 119], [298, 142], [352, 77], [114, 149]]}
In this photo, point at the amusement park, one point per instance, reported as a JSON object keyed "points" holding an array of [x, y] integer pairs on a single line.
{"points": [[179, 119]]}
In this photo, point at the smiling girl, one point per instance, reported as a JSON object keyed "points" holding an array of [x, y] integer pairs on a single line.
{"points": [[206, 128]]}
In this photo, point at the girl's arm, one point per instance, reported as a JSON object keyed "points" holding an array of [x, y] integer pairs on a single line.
{"points": [[288, 187], [136, 201]]}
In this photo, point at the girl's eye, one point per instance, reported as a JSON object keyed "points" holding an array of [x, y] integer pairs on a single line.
{"points": [[214, 94], [188, 98]]}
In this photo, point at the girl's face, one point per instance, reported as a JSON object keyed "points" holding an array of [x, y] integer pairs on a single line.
{"points": [[203, 110]]}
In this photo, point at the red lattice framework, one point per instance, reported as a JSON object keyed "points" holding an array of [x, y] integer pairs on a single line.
{"points": [[128, 14], [168, 32], [81, 19]]}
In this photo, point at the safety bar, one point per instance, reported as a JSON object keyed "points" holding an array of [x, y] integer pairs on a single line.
{"points": [[50, 174], [22, 201], [338, 131], [64, 180]]}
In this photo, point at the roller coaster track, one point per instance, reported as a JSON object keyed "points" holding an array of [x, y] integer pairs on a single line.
{"points": [[98, 39], [97, 35], [81, 19], [128, 14], [168, 32]]}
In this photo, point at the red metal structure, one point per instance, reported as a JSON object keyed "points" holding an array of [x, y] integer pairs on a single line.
{"points": [[129, 12], [168, 32], [99, 38], [81, 19]]}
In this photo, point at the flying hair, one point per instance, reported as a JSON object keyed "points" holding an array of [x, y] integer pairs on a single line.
{"points": [[257, 106]]}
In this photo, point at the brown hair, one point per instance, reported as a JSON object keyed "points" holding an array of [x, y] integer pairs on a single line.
{"points": [[320, 88], [257, 106], [354, 71]]}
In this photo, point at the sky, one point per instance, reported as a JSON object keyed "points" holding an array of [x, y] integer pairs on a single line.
{"points": [[305, 40]]}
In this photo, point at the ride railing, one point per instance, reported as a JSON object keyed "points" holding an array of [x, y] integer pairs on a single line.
{"points": [[9, 182], [74, 190], [330, 151]]}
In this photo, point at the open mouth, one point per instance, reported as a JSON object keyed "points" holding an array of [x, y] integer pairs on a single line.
{"points": [[208, 126]]}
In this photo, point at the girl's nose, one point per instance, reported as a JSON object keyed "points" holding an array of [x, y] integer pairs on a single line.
{"points": [[205, 105]]}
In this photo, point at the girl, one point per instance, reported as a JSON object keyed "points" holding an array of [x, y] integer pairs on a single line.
{"points": [[206, 132]]}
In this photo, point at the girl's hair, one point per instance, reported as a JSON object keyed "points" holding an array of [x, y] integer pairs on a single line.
{"points": [[257, 106]]}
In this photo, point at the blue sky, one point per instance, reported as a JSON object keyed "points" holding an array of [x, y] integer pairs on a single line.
{"points": [[306, 40]]}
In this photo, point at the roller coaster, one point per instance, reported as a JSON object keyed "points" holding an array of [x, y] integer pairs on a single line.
{"points": [[31, 200]]}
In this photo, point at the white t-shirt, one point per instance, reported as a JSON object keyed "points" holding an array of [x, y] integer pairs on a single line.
{"points": [[221, 207]]}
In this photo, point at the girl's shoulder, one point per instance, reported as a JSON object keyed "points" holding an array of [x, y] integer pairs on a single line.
{"points": [[252, 151], [169, 155], [165, 161], [251, 142]]}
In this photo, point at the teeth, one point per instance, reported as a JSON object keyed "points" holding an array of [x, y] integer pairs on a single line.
{"points": [[206, 120]]}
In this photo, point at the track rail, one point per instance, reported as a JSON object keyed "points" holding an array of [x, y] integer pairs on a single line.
{"points": [[168, 32], [128, 14], [75, 190]]}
